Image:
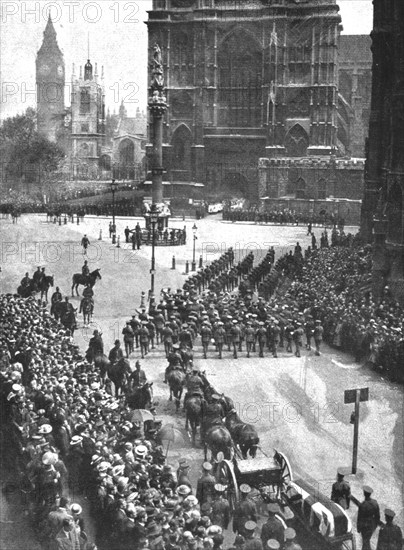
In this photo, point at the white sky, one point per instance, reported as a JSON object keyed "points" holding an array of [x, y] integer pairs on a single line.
{"points": [[118, 40]]}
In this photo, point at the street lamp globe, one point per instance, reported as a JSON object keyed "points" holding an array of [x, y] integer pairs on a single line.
{"points": [[194, 229]]}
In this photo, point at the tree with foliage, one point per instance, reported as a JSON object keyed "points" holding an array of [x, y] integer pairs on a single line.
{"points": [[23, 150]]}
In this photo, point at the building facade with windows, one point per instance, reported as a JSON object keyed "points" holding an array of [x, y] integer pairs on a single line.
{"points": [[247, 80]]}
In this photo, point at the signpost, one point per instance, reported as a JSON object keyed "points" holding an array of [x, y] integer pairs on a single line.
{"points": [[356, 396]]}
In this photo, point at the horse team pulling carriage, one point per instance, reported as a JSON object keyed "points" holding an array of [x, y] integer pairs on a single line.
{"points": [[301, 504]]}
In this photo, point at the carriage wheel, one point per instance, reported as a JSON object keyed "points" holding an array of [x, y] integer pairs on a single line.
{"points": [[226, 476], [286, 471], [349, 544]]}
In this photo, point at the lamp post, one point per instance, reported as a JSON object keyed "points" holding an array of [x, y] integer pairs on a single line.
{"points": [[153, 216], [194, 230], [114, 187]]}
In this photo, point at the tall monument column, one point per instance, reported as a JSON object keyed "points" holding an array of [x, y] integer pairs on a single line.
{"points": [[158, 107]]}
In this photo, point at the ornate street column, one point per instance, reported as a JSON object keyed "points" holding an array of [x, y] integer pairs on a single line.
{"points": [[158, 107]]}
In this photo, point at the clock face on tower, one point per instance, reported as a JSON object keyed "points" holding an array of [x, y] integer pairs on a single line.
{"points": [[44, 69], [60, 70]]}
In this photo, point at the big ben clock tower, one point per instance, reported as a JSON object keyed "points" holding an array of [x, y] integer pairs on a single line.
{"points": [[50, 82]]}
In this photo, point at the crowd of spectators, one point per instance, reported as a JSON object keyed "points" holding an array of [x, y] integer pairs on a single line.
{"points": [[284, 216]]}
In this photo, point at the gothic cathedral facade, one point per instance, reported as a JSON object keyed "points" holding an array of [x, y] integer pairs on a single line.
{"points": [[246, 80]]}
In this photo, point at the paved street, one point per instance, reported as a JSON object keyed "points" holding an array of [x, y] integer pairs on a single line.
{"points": [[295, 403]]}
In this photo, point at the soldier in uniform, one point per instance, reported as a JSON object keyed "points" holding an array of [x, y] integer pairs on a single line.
{"points": [[220, 507], [116, 353], [144, 339], [206, 335], [194, 384], [289, 330], [251, 542], [95, 346], [167, 335], [206, 484], [219, 336], [244, 511], [290, 536], [274, 528], [128, 338], [275, 337], [309, 330], [37, 277], [390, 535], [341, 491], [261, 336], [85, 270], [235, 334], [138, 376], [56, 297], [368, 517], [249, 337]]}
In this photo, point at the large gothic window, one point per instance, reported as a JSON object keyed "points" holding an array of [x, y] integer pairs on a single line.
{"points": [[181, 153], [296, 142], [240, 81]]}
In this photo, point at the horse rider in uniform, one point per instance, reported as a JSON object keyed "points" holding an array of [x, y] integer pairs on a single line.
{"points": [[390, 535], [341, 491], [37, 277], [174, 361], [116, 353], [245, 511], [95, 346], [138, 377], [85, 270], [88, 294], [368, 517], [194, 384], [25, 281]]}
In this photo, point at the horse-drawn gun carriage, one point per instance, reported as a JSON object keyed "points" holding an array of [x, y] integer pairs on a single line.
{"points": [[302, 505]]}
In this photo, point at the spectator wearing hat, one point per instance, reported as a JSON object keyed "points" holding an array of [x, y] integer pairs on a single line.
{"points": [[183, 473], [290, 540], [54, 522], [220, 507], [390, 535], [274, 527], [245, 510], [116, 353], [368, 517], [252, 542], [341, 491], [67, 538], [206, 484]]}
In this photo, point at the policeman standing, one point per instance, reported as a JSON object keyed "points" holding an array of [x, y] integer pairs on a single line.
{"points": [[341, 491], [245, 510], [390, 535], [368, 517], [220, 507], [206, 484]]}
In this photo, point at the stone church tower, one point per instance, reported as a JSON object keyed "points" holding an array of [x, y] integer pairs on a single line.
{"points": [[88, 121], [245, 79], [50, 82], [383, 202]]}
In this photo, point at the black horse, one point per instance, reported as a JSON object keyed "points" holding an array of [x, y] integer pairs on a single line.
{"points": [[244, 435], [86, 307], [176, 381], [118, 374], [79, 279], [68, 320], [44, 284], [141, 398]]}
